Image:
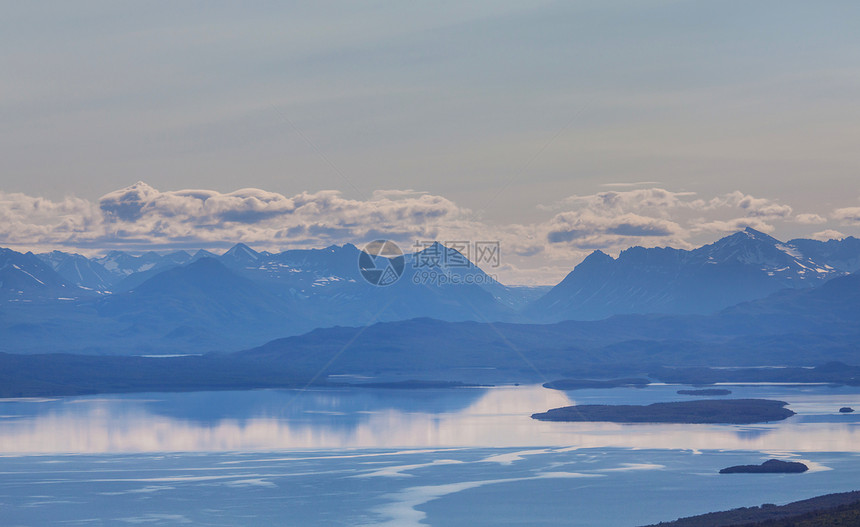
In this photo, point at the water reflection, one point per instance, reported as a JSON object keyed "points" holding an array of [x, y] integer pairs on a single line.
{"points": [[363, 418]]}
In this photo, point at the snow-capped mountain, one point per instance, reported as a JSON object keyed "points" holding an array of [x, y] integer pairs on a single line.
{"points": [[743, 266], [24, 277], [122, 264], [298, 272], [80, 270], [784, 262], [843, 254], [329, 284], [244, 297]]}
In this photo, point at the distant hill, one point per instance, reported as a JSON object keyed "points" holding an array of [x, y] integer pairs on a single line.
{"points": [[841, 509], [204, 305], [836, 300], [776, 330]]}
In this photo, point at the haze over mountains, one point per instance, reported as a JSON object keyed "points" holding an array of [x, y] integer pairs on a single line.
{"points": [[182, 302], [794, 327]]}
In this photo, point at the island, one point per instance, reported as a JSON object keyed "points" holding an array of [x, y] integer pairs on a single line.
{"points": [[705, 392], [846, 410], [581, 384], [771, 466], [709, 411]]}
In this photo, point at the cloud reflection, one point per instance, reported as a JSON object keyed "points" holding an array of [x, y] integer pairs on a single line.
{"points": [[498, 418]]}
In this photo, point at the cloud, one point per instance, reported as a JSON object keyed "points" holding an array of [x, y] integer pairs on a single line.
{"points": [[26, 219], [256, 215], [127, 204], [847, 215], [828, 234], [752, 206], [614, 220], [656, 199], [588, 226], [654, 216], [733, 225], [141, 214], [810, 219]]}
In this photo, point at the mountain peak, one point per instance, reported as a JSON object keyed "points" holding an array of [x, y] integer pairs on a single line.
{"points": [[752, 233], [740, 237], [597, 257], [596, 261], [240, 250]]}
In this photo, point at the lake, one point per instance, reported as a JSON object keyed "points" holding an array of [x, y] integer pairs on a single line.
{"points": [[361, 456]]}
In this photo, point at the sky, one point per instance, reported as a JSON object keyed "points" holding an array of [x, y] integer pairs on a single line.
{"points": [[556, 128]]}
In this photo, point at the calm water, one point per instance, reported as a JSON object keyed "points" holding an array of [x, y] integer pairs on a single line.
{"points": [[468, 456]]}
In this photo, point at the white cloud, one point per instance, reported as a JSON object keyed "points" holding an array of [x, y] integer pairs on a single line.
{"points": [[847, 215], [26, 219], [828, 234], [733, 225], [810, 219], [141, 214], [254, 215], [752, 206], [612, 221], [587, 226], [615, 220], [619, 202]]}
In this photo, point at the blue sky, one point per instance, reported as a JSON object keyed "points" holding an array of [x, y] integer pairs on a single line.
{"points": [[492, 120]]}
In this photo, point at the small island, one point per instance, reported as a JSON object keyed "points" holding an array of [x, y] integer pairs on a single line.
{"points": [[771, 466], [846, 410], [709, 411], [705, 392], [581, 384]]}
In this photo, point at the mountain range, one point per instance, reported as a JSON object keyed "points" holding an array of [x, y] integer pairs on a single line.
{"points": [[181, 302], [777, 331], [25, 278], [744, 266]]}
